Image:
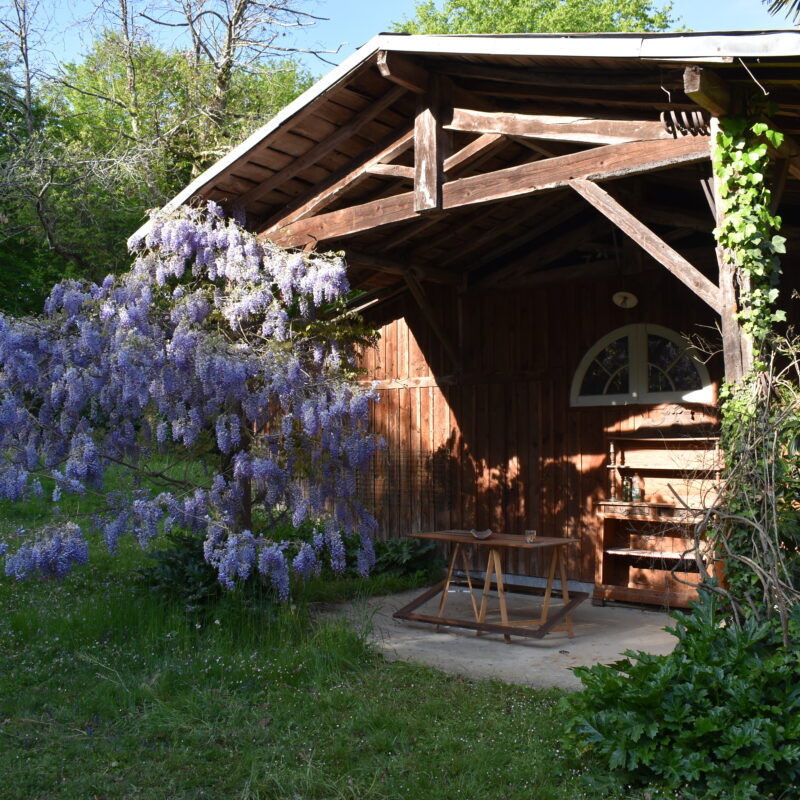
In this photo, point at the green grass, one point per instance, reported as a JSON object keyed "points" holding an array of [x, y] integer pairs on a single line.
{"points": [[106, 691]]}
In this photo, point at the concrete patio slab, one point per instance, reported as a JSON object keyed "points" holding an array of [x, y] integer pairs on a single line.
{"points": [[602, 634]]}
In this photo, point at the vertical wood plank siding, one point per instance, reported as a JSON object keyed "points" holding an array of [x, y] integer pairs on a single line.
{"points": [[498, 445]]}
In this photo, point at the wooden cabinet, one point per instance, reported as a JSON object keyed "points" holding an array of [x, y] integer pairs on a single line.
{"points": [[645, 552]]}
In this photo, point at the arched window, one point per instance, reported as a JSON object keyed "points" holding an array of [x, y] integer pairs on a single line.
{"points": [[640, 364]]}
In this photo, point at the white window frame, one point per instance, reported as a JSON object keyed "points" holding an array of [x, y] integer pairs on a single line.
{"points": [[637, 362]]}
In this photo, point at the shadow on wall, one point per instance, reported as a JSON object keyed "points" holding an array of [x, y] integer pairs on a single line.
{"points": [[450, 487]]}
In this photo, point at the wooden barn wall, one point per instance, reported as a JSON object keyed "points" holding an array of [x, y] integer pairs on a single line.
{"points": [[497, 444]]}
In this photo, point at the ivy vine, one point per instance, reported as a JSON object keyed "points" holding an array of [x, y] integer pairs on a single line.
{"points": [[756, 524], [747, 229]]}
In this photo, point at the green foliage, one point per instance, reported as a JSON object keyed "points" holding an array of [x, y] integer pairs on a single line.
{"points": [[536, 16], [747, 233], [791, 8], [403, 556], [718, 718], [180, 572], [114, 135], [108, 691], [757, 527]]}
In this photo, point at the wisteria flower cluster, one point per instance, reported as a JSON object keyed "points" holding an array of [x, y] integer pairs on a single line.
{"points": [[52, 554], [215, 348]]}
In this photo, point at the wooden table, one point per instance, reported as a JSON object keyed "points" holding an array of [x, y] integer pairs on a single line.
{"points": [[536, 629]]}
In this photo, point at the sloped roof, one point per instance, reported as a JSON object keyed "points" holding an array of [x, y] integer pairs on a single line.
{"points": [[356, 110]]}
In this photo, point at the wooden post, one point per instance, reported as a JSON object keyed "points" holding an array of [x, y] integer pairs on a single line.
{"points": [[737, 346], [429, 148]]}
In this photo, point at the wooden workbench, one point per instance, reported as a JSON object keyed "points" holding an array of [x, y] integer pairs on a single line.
{"points": [[536, 629]]}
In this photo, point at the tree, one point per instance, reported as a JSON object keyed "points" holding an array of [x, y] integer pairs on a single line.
{"points": [[790, 7], [536, 16], [218, 376], [96, 144]]}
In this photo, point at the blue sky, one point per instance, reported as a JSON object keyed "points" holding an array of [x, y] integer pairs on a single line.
{"points": [[353, 22]]}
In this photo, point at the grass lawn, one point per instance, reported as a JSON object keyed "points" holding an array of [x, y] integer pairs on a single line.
{"points": [[107, 691]]}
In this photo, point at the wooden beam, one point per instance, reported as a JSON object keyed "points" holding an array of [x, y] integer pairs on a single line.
{"points": [[475, 149], [711, 92], [737, 346], [391, 170], [779, 184], [544, 220], [708, 90], [570, 79], [585, 271], [624, 101], [429, 149], [321, 149], [652, 244], [404, 71], [396, 266], [535, 146], [601, 163], [430, 315], [373, 296], [590, 130], [343, 179], [539, 257]]}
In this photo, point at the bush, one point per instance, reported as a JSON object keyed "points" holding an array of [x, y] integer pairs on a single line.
{"points": [[179, 570], [403, 556], [717, 718]]}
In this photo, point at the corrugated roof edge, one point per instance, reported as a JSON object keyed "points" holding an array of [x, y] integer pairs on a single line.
{"points": [[692, 46]]}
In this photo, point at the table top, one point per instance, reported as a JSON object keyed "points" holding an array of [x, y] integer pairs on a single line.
{"points": [[495, 540]]}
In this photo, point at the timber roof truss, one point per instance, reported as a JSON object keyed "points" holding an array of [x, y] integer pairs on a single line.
{"points": [[490, 162]]}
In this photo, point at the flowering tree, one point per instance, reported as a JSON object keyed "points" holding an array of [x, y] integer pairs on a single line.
{"points": [[219, 373]]}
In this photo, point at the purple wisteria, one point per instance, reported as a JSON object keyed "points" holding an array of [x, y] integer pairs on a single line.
{"points": [[220, 369]]}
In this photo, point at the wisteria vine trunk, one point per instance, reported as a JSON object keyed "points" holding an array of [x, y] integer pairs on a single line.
{"points": [[219, 373]]}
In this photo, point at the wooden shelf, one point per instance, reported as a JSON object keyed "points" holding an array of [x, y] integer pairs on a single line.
{"points": [[648, 512], [663, 468], [624, 438], [653, 554], [630, 565]]}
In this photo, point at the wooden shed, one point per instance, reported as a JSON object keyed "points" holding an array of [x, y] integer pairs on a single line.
{"points": [[530, 218]]}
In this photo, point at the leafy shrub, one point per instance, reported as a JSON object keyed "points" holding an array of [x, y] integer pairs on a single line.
{"points": [[718, 718], [180, 571], [402, 556]]}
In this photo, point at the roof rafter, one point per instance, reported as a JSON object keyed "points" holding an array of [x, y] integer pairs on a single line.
{"points": [[344, 178], [470, 153], [396, 266], [632, 79], [321, 149], [549, 252], [589, 130], [601, 163]]}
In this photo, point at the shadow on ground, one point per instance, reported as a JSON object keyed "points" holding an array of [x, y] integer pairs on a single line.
{"points": [[601, 635]]}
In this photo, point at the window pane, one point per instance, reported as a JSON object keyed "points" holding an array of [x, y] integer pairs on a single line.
{"points": [[620, 383], [685, 375], [608, 373], [668, 370], [658, 380], [661, 352]]}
